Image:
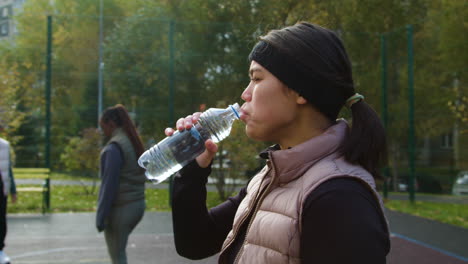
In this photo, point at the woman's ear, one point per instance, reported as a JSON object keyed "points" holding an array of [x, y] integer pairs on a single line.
{"points": [[112, 124], [301, 100]]}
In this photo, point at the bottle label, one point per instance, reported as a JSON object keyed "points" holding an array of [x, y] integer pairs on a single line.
{"points": [[186, 145]]}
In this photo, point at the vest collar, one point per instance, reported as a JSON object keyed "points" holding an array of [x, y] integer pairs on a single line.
{"points": [[293, 162], [117, 132]]}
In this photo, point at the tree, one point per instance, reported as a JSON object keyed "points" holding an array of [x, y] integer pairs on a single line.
{"points": [[81, 155], [210, 41], [74, 69], [11, 117], [199, 49], [449, 22], [20, 121], [237, 159]]}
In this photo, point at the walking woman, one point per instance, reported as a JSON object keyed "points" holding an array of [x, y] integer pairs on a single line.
{"points": [[315, 201], [121, 201]]}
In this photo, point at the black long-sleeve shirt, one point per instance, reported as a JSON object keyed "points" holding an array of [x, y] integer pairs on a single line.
{"points": [[341, 221]]}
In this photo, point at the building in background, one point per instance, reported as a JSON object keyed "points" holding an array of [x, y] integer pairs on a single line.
{"points": [[7, 9]]}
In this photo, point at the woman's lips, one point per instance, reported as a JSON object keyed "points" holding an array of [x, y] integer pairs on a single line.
{"points": [[243, 115]]}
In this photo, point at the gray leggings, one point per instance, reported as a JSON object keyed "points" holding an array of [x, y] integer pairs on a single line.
{"points": [[121, 222]]}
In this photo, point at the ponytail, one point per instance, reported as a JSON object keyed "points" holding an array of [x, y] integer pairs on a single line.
{"points": [[119, 115], [313, 61], [365, 143]]}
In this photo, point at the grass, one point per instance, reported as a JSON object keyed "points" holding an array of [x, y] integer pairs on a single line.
{"points": [[449, 213], [67, 176], [41, 173], [84, 199], [63, 199], [80, 198]]}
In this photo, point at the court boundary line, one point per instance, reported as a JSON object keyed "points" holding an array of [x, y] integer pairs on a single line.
{"points": [[430, 247]]}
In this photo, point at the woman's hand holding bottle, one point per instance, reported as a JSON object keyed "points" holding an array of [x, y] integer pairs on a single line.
{"points": [[193, 138], [188, 122]]}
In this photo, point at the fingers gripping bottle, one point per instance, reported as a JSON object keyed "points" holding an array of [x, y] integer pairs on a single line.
{"points": [[174, 152]]}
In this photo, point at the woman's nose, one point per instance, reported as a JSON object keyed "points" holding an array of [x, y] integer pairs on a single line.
{"points": [[246, 94]]}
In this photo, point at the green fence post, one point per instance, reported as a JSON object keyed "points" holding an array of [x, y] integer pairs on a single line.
{"points": [[171, 90], [411, 136], [101, 64], [383, 53], [46, 195], [48, 80]]}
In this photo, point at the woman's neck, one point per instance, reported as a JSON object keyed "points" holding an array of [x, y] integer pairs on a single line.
{"points": [[309, 124]]}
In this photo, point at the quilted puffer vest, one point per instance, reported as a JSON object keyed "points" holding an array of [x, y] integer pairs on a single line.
{"points": [[132, 178], [277, 194]]}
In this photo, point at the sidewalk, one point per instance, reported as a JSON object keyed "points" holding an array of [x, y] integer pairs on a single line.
{"points": [[420, 240], [72, 238]]}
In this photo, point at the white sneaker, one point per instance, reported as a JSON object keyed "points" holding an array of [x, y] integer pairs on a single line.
{"points": [[4, 259]]}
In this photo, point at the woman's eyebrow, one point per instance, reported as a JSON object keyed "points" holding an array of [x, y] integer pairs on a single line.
{"points": [[254, 69]]}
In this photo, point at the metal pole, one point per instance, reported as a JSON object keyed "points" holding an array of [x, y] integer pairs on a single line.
{"points": [[171, 73], [48, 80], [456, 129], [411, 136], [383, 49], [101, 64], [171, 90]]}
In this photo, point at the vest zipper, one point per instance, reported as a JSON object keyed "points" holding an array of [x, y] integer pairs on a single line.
{"points": [[234, 233], [259, 202]]}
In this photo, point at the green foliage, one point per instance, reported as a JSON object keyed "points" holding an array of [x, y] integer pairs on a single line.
{"points": [[210, 40], [460, 109], [82, 154], [157, 200], [449, 213], [74, 63], [11, 117], [209, 56], [140, 77], [242, 156], [213, 199]]}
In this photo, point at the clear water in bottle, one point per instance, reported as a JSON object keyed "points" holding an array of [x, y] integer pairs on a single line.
{"points": [[172, 153]]}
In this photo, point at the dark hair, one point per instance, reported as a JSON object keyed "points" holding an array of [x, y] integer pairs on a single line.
{"points": [[321, 61], [119, 115]]}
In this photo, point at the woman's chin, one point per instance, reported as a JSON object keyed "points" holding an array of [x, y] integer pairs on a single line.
{"points": [[249, 132], [253, 134]]}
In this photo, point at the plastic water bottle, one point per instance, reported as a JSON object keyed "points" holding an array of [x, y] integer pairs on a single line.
{"points": [[174, 152]]}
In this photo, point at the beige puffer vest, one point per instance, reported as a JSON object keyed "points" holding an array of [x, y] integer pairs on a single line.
{"points": [[278, 192], [132, 178]]}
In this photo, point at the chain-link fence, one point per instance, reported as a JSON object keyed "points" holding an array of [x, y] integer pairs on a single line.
{"points": [[162, 69]]}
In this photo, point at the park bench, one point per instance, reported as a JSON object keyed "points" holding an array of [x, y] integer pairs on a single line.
{"points": [[44, 188]]}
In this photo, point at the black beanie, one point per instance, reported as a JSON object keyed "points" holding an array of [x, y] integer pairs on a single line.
{"points": [[318, 88]]}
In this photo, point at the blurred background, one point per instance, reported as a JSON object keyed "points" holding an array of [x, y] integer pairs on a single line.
{"points": [[63, 62]]}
